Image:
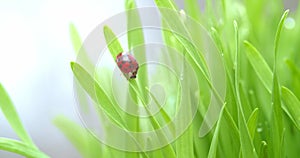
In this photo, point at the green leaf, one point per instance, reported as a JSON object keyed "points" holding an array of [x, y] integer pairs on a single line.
{"points": [[12, 116], [214, 143], [88, 83], [136, 45], [278, 32], [184, 144], [75, 38], [252, 122], [247, 146], [291, 106], [263, 149], [112, 41], [277, 119], [20, 148], [170, 4], [192, 9], [87, 145], [259, 65], [135, 32]]}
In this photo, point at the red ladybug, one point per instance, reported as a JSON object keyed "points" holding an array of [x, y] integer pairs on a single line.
{"points": [[128, 65]]}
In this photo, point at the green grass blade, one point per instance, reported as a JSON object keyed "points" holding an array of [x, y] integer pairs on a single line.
{"points": [[100, 97], [136, 44], [112, 41], [252, 122], [278, 32], [192, 9], [87, 145], [263, 150], [75, 38], [277, 119], [88, 83], [167, 4], [12, 117], [184, 144], [20, 148], [214, 143], [135, 33], [247, 146], [259, 65], [295, 78], [292, 105]]}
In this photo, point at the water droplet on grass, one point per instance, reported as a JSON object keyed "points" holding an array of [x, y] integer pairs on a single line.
{"points": [[181, 76], [259, 129], [289, 23]]}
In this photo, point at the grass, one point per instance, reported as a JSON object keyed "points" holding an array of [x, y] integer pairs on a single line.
{"points": [[259, 115]]}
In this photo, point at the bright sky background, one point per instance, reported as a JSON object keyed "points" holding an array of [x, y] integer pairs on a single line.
{"points": [[35, 52]]}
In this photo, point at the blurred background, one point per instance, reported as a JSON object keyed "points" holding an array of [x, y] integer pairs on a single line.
{"points": [[35, 52]]}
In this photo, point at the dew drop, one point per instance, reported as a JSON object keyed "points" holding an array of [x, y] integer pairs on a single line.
{"points": [[259, 129], [289, 23], [181, 76], [251, 92]]}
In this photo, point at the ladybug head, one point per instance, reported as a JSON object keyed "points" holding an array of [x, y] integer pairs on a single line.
{"points": [[119, 55]]}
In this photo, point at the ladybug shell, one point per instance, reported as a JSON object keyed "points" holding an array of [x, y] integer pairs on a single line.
{"points": [[127, 64]]}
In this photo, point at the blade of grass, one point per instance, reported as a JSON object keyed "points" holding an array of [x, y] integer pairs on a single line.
{"points": [[114, 48], [94, 90], [135, 43], [184, 144], [20, 148], [247, 146], [292, 105], [100, 97], [87, 145], [277, 121], [252, 122], [192, 8], [113, 44], [214, 143], [12, 117], [263, 149], [296, 76], [259, 65], [75, 38]]}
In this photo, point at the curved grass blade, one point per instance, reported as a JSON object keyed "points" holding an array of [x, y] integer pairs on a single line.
{"points": [[85, 143], [277, 121], [263, 149], [278, 32], [296, 76], [136, 43], [20, 148], [247, 146], [292, 105], [259, 65], [115, 48], [214, 143], [192, 8], [75, 38], [12, 117], [252, 122], [113, 44], [100, 97], [94, 90]]}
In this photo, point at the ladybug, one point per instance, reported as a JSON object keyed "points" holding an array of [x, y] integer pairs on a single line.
{"points": [[128, 65]]}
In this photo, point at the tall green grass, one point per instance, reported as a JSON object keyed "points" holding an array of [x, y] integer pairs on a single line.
{"points": [[260, 116]]}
